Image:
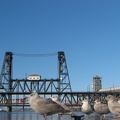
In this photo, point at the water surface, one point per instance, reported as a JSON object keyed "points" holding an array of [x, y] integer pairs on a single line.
{"points": [[31, 115]]}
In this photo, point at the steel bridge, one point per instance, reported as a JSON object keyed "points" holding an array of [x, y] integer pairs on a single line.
{"points": [[20, 88]]}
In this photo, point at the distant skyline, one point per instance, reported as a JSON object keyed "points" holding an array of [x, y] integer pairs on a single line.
{"points": [[88, 31]]}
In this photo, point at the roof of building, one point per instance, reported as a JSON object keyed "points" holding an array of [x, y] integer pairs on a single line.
{"points": [[34, 75]]}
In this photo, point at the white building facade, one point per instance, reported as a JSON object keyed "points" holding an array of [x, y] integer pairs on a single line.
{"points": [[34, 77]]}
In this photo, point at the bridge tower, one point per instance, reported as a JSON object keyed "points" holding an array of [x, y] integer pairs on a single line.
{"points": [[64, 83], [9, 85], [6, 76]]}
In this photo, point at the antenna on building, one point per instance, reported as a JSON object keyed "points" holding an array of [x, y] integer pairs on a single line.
{"points": [[25, 75]]}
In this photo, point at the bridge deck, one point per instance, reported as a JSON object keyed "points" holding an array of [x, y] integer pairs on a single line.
{"points": [[69, 98]]}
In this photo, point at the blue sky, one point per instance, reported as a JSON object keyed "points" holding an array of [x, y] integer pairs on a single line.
{"points": [[88, 31]]}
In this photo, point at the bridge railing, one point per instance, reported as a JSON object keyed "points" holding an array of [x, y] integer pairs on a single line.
{"points": [[69, 98]]}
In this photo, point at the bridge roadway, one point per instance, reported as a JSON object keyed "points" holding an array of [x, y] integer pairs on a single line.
{"points": [[69, 98]]}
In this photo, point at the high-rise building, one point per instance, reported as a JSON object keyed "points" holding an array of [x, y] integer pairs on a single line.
{"points": [[97, 84]]}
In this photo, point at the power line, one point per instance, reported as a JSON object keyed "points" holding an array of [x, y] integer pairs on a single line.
{"points": [[35, 55]]}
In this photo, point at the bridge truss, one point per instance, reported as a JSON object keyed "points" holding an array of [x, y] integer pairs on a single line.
{"points": [[20, 88], [9, 86]]}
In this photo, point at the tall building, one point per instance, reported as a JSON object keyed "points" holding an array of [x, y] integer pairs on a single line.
{"points": [[97, 84]]}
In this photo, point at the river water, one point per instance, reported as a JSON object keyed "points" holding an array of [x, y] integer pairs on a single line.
{"points": [[31, 115]]}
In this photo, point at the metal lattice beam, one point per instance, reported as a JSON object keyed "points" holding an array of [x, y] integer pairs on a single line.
{"points": [[64, 84]]}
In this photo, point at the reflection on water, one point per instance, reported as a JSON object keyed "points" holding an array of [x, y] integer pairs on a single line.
{"points": [[28, 116], [34, 116]]}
